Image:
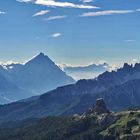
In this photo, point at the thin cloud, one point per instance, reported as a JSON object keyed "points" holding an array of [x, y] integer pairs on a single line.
{"points": [[135, 60], [129, 40], [2, 13], [56, 17], [86, 1], [55, 35], [138, 10], [41, 13], [54, 3], [24, 1], [107, 12]]}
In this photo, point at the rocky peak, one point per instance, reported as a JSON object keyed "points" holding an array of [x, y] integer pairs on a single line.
{"points": [[41, 56], [127, 67], [40, 59], [100, 107]]}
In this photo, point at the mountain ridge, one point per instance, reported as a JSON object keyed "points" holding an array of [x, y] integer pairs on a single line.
{"points": [[76, 98]]}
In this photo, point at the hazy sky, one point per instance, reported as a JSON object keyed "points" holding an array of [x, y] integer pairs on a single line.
{"points": [[70, 31]]}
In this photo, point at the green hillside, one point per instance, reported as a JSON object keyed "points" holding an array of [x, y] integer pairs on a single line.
{"points": [[96, 124]]}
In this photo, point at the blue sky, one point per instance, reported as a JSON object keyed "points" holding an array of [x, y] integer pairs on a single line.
{"points": [[72, 32]]}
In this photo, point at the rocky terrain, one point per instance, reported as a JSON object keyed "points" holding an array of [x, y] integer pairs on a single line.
{"points": [[97, 123], [120, 90]]}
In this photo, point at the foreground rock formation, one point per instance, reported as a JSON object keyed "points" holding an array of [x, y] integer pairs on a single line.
{"points": [[99, 108], [96, 124]]}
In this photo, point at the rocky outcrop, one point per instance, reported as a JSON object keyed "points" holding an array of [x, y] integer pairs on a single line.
{"points": [[103, 116], [99, 108]]}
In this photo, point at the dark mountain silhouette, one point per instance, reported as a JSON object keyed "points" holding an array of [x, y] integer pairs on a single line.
{"points": [[120, 90]]}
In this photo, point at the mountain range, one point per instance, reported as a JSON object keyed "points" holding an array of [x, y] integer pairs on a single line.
{"points": [[120, 90], [86, 72], [38, 75]]}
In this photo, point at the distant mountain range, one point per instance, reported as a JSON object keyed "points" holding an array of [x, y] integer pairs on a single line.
{"points": [[86, 72], [120, 89], [40, 74]]}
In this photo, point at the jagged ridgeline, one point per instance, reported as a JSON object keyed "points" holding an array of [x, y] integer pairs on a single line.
{"points": [[120, 89], [97, 123]]}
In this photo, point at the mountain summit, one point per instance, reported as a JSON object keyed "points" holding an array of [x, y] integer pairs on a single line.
{"points": [[38, 75], [40, 57], [41, 74]]}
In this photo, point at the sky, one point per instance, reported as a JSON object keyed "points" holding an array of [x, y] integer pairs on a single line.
{"points": [[74, 32]]}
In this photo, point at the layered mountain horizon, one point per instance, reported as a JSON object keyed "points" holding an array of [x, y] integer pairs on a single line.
{"points": [[87, 71], [77, 72], [120, 90], [69, 70], [38, 75]]}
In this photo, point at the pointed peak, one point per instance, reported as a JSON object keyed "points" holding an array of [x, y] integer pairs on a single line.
{"points": [[41, 55], [127, 66], [40, 58]]}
